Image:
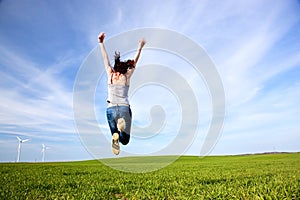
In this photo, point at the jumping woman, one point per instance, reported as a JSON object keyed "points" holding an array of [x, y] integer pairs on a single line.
{"points": [[118, 110]]}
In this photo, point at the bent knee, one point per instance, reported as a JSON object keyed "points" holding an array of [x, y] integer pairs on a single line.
{"points": [[124, 139], [124, 142]]}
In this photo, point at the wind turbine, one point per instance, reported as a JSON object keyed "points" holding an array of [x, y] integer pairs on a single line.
{"points": [[43, 152], [19, 147]]}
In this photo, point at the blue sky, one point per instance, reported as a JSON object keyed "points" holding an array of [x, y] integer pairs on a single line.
{"points": [[254, 45]]}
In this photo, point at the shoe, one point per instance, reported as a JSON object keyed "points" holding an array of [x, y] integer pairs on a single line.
{"points": [[115, 144], [121, 124]]}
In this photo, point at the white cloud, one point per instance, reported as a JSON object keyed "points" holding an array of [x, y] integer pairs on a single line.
{"points": [[33, 98]]}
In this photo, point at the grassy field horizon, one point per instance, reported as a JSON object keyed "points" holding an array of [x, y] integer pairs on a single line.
{"points": [[177, 156], [257, 176]]}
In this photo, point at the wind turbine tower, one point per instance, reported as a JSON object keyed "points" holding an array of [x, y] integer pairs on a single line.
{"points": [[43, 152], [19, 147]]}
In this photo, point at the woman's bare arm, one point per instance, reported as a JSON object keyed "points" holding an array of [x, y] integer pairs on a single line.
{"points": [[138, 52], [136, 58], [108, 68]]}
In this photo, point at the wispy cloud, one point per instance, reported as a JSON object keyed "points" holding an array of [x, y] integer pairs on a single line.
{"points": [[32, 97]]}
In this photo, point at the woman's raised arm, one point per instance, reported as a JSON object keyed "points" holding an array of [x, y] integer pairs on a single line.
{"points": [[108, 68], [138, 52]]}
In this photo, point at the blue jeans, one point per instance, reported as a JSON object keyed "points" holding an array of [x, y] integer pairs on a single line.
{"points": [[113, 114]]}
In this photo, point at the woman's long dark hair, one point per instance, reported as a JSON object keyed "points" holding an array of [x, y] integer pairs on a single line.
{"points": [[121, 66]]}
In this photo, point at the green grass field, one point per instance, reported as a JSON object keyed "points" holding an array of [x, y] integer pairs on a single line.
{"points": [[269, 176]]}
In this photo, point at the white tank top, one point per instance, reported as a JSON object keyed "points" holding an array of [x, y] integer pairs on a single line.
{"points": [[118, 94]]}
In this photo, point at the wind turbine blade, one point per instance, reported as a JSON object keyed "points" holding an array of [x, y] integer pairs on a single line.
{"points": [[19, 139], [25, 140]]}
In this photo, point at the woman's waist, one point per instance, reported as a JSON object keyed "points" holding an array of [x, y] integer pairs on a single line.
{"points": [[110, 104]]}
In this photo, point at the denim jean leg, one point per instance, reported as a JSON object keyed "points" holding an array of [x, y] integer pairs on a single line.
{"points": [[125, 113], [111, 116]]}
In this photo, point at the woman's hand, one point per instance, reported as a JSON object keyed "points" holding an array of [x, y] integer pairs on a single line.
{"points": [[101, 37], [142, 43]]}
